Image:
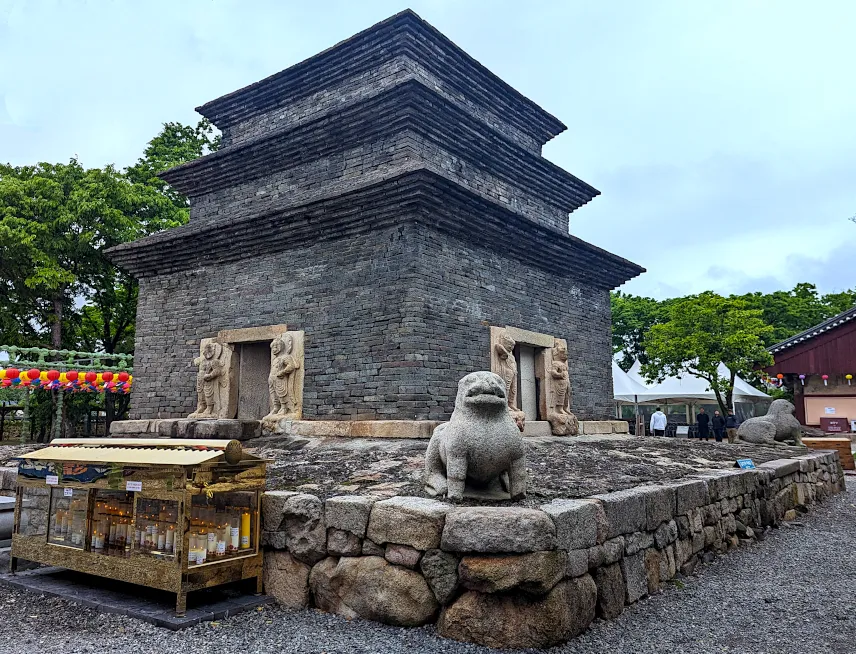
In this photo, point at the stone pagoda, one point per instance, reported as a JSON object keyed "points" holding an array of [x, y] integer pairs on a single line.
{"points": [[378, 223]]}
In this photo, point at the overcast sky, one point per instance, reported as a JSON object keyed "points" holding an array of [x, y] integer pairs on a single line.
{"points": [[722, 135]]}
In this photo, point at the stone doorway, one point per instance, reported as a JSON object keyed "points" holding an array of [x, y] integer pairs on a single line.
{"points": [[527, 382], [253, 370]]}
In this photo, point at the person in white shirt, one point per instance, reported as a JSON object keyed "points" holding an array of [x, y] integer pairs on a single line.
{"points": [[658, 423]]}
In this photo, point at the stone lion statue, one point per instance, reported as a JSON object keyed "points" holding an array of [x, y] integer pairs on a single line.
{"points": [[778, 426], [480, 450]]}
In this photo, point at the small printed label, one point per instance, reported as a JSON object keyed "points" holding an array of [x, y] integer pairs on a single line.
{"points": [[68, 492], [746, 464], [52, 480], [132, 486]]}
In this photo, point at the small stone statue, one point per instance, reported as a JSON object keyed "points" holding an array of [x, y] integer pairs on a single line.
{"points": [[283, 399], [508, 367], [211, 381], [480, 450], [562, 421], [778, 426]]}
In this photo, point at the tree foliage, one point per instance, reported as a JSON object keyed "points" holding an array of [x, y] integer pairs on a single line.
{"points": [[57, 288], [700, 332], [787, 312]]}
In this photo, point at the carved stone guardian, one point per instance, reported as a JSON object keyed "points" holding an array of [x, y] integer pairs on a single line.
{"points": [[213, 381], [558, 395], [285, 381], [504, 364], [479, 452]]}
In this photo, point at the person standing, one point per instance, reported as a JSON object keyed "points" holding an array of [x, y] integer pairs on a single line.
{"points": [[703, 422], [658, 423], [731, 425], [717, 423]]}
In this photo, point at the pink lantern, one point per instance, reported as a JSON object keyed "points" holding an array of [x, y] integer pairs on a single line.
{"points": [[802, 380], [824, 378]]}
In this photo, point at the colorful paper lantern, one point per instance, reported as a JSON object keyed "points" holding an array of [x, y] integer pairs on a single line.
{"points": [[12, 373], [33, 373], [802, 380], [122, 376], [848, 378], [71, 375], [107, 376], [824, 378], [780, 376], [63, 378], [52, 375], [90, 377]]}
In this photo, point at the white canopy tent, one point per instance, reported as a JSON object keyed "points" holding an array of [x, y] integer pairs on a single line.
{"points": [[688, 388], [627, 389]]}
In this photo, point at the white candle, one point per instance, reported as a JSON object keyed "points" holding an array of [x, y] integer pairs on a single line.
{"points": [[170, 539], [212, 542]]}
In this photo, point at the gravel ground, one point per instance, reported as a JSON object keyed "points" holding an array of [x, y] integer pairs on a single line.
{"points": [[793, 593]]}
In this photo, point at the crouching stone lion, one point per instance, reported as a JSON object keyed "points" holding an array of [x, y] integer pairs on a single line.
{"points": [[778, 426], [480, 450]]}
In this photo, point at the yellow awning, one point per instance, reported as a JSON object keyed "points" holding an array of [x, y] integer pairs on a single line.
{"points": [[141, 451]]}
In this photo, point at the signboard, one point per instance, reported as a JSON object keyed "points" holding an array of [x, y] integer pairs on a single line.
{"points": [[68, 492], [51, 480], [682, 430], [829, 410], [746, 464], [835, 425], [131, 486]]}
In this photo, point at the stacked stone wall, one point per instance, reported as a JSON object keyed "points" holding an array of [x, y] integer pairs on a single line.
{"points": [[519, 577]]}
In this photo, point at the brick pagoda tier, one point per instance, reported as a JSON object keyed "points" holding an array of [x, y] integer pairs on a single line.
{"points": [[388, 199]]}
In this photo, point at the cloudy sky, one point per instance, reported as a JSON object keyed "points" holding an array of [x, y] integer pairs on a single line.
{"points": [[721, 134]]}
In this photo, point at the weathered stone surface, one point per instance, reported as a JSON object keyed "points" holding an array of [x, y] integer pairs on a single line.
{"points": [[518, 621], [440, 570], [668, 565], [343, 543], [778, 425], [578, 563], [413, 521], [349, 513], [480, 445], [302, 520], [369, 587], [534, 573], [610, 591], [402, 555], [274, 540], [273, 509], [689, 495], [286, 579], [666, 533], [638, 541], [652, 570], [635, 577], [625, 511], [498, 529], [575, 521], [659, 505], [370, 548]]}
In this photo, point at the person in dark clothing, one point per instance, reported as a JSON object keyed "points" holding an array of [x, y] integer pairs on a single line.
{"points": [[717, 423], [731, 425], [703, 422]]}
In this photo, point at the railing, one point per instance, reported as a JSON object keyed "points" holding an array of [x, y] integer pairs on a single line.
{"points": [[60, 360], [66, 359]]}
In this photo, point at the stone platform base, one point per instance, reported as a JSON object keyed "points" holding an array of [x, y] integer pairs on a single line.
{"points": [[518, 577], [153, 606], [246, 429], [240, 430]]}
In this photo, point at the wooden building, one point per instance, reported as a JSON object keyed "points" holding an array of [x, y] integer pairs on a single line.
{"points": [[819, 365]]}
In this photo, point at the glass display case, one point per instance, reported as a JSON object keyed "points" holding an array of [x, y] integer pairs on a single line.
{"points": [[179, 515]]}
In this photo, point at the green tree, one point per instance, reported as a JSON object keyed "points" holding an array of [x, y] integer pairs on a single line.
{"points": [[632, 318], [702, 331]]}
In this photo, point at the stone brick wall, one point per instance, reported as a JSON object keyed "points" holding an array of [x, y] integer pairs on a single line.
{"points": [[393, 319], [519, 577]]}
